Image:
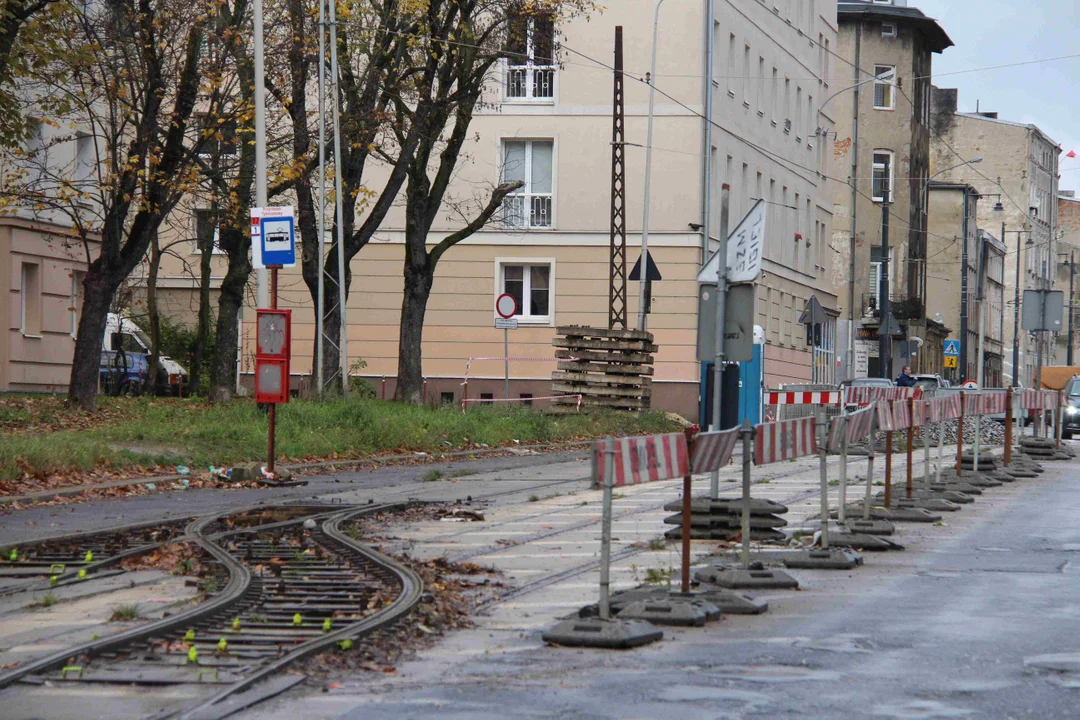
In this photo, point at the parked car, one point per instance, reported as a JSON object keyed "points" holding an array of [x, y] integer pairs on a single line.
{"points": [[863, 382], [927, 382], [1072, 407], [125, 362]]}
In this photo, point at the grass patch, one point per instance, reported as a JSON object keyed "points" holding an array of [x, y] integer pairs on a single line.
{"points": [[47, 601], [125, 613], [658, 576], [534, 498], [130, 432], [657, 543], [433, 475]]}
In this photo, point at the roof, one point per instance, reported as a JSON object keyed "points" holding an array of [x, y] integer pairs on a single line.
{"points": [[935, 35], [1029, 126], [945, 185]]}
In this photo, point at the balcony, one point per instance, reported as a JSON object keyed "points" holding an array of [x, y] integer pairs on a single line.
{"points": [[530, 82], [528, 211], [903, 308]]}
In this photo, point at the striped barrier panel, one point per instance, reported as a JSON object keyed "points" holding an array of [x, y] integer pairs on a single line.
{"points": [[867, 395], [944, 408], [786, 440], [994, 402], [893, 416], [1029, 399], [855, 426], [802, 398], [712, 450], [919, 413], [642, 459]]}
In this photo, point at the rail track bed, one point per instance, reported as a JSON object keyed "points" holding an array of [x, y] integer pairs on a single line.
{"points": [[279, 584]]}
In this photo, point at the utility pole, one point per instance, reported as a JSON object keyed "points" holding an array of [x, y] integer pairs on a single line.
{"points": [[1069, 306], [617, 248], [964, 295], [339, 204], [721, 327], [1016, 311], [854, 204], [262, 294], [642, 322], [884, 369]]}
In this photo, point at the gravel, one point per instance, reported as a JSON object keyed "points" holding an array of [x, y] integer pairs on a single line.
{"points": [[993, 433]]}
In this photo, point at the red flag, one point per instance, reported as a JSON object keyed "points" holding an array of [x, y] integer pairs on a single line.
{"points": [[1070, 154]]}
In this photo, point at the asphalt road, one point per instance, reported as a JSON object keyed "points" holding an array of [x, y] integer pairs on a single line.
{"points": [[959, 625]]}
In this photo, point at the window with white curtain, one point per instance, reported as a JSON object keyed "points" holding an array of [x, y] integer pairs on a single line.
{"points": [[530, 162]]}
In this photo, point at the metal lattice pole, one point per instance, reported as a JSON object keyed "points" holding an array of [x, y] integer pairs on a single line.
{"points": [[617, 265]]}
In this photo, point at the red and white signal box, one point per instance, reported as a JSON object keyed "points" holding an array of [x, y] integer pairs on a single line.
{"points": [[273, 347]]}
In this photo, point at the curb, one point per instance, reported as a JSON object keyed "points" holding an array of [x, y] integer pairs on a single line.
{"points": [[75, 490]]}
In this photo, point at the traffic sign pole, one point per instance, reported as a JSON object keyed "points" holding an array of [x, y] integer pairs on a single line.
{"points": [[272, 433], [506, 306]]}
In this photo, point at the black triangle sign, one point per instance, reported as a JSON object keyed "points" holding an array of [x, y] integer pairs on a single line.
{"points": [[653, 273]]}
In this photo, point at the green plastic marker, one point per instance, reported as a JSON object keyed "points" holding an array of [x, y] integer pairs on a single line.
{"points": [[89, 556], [190, 635], [327, 624], [236, 624], [193, 654], [222, 646], [82, 574], [297, 619], [345, 644], [14, 556]]}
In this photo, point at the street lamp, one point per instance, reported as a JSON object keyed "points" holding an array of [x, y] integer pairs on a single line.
{"points": [[1071, 262], [648, 180]]}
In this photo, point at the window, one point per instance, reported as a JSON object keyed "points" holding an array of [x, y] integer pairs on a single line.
{"points": [[875, 286], [746, 75], [774, 89], [35, 151], [731, 66], [883, 86], [761, 86], [530, 283], [530, 162], [218, 138], [446, 398], [206, 231], [888, 30], [30, 300], [828, 61], [530, 72], [883, 179], [526, 399], [76, 300], [85, 157]]}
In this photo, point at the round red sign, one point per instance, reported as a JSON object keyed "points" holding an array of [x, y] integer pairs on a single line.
{"points": [[506, 306]]}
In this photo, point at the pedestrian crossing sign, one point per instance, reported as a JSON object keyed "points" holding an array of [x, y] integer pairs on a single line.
{"points": [[950, 361], [952, 347]]}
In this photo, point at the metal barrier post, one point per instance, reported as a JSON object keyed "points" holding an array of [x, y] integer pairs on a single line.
{"points": [[910, 443], [926, 451], [1060, 417], [870, 467], [747, 456], [823, 458], [686, 490], [960, 437], [940, 448], [605, 531], [841, 514], [1008, 425], [979, 432], [888, 465]]}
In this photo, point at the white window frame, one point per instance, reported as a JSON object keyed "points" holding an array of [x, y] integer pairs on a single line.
{"points": [[25, 299], [889, 30], [500, 288], [531, 73], [885, 76], [874, 165], [526, 191]]}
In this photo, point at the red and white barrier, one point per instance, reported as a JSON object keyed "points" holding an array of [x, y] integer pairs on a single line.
{"points": [[642, 459], [712, 451], [893, 416], [802, 398], [919, 413], [857, 426], [943, 408], [867, 395], [786, 440]]}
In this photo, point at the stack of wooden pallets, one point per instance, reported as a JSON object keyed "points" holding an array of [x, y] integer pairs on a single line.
{"points": [[610, 369]]}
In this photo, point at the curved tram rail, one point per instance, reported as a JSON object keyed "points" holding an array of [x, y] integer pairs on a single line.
{"points": [[288, 590]]}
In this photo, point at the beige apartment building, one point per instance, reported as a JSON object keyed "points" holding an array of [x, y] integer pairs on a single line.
{"points": [[881, 153], [1019, 171], [549, 124]]}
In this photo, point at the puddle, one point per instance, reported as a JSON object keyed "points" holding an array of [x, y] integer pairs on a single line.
{"points": [[771, 673], [1056, 662], [839, 644], [698, 693], [918, 709]]}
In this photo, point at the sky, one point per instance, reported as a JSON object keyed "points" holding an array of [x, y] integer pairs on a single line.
{"points": [[998, 32]]}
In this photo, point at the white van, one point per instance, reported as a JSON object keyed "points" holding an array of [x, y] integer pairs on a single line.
{"points": [[125, 360]]}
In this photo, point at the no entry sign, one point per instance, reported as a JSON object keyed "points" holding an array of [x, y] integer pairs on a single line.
{"points": [[506, 306]]}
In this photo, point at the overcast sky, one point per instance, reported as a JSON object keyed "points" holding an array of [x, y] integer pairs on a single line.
{"points": [[998, 32]]}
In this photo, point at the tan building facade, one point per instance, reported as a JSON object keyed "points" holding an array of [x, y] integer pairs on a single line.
{"points": [[1019, 168], [550, 126], [881, 153], [40, 302]]}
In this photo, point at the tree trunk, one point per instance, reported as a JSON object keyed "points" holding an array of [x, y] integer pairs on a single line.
{"points": [[97, 296], [410, 374], [203, 332], [223, 366], [153, 318]]}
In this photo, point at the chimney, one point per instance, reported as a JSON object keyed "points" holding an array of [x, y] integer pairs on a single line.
{"points": [[1067, 193], [943, 100]]}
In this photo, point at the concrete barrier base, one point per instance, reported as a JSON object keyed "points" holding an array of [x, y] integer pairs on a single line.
{"points": [[613, 634], [870, 527], [671, 610], [832, 558], [756, 577], [863, 541]]}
